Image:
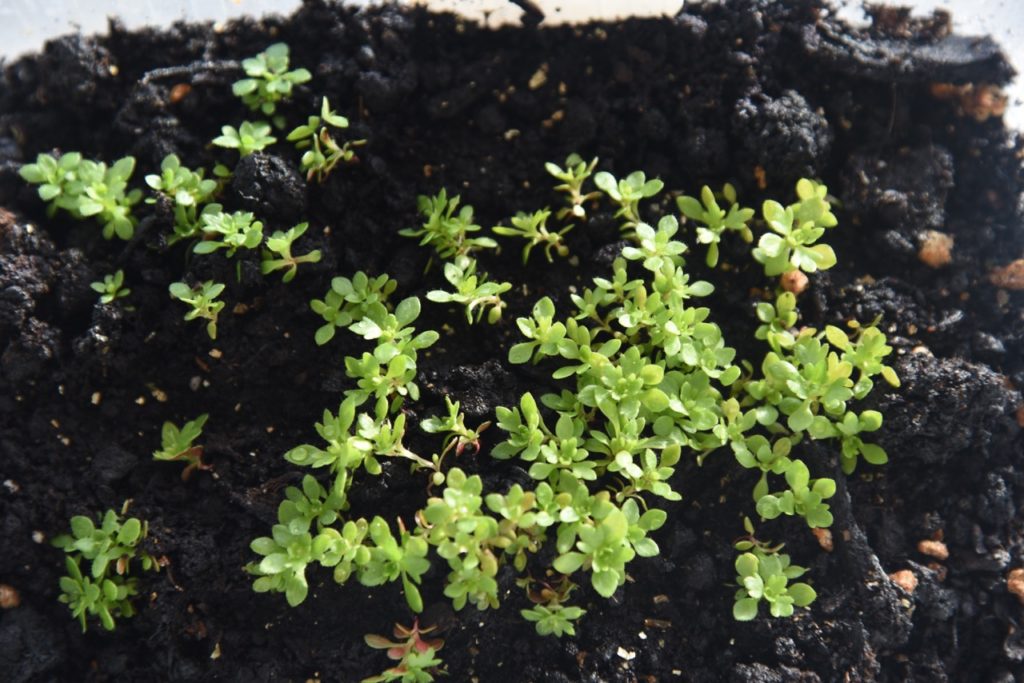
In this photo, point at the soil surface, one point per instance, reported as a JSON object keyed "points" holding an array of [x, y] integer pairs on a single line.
{"points": [[755, 93]]}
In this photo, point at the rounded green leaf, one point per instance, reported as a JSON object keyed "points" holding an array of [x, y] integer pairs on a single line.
{"points": [[744, 609], [802, 594]]}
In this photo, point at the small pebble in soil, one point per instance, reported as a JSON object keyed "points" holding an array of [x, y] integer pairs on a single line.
{"points": [[9, 597], [1010, 276], [936, 549], [1015, 583], [905, 579], [794, 281], [936, 249], [824, 537]]}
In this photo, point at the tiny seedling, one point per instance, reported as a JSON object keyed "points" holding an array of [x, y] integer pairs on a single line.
{"points": [[203, 302], [322, 152], [454, 425], [415, 655], [533, 228], [230, 231], [445, 230], [715, 221], [573, 176], [627, 193], [550, 616], [766, 576], [86, 188], [177, 445], [189, 191], [473, 291], [280, 243], [348, 301], [269, 81], [110, 549], [248, 138], [111, 289], [795, 229]]}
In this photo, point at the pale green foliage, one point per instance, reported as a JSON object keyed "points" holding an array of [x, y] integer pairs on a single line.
{"points": [[86, 188], [348, 301], [573, 176], [778, 321], [112, 288], [714, 221], [188, 189], [764, 574], [475, 292], [111, 549], [268, 80], [322, 152], [795, 229], [280, 243], [627, 194], [178, 445], [533, 228], [229, 231], [203, 301], [248, 138], [445, 230]]}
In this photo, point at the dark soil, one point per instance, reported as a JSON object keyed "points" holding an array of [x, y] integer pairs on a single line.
{"points": [[706, 97]]}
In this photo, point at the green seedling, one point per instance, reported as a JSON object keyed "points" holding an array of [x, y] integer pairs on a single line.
{"points": [[230, 231], [627, 194], [248, 138], [453, 424], [765, 576], [573, 176], [533, 228], [188, 190], [445, 230], [473, 291], [322, 152], [111, 549], [111, 289], [203, 302], [86, 188], [177, 445], [280, 243], [414, 653], [269, 81], [550, 616], [349, 300], [795, 229], [714, 220]]}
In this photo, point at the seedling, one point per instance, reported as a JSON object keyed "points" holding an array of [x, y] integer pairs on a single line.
{"points": [[177, 445], [473, 291], [280, 243], [415, 655], [795, 229], [627, 193], [248, 138], [549, 614], [110, 549], [189, 190], [777, 322], [533, 228], [322, 152], [269, 81], [203, 302], [230, 231], [766, 576], [86, 188], [459, 436], [111, 289], [573, 176], [349, 300], [715, 220], [445, 230]]}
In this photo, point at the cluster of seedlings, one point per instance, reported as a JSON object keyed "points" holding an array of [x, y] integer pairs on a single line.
{"points": [[643, 378]]}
